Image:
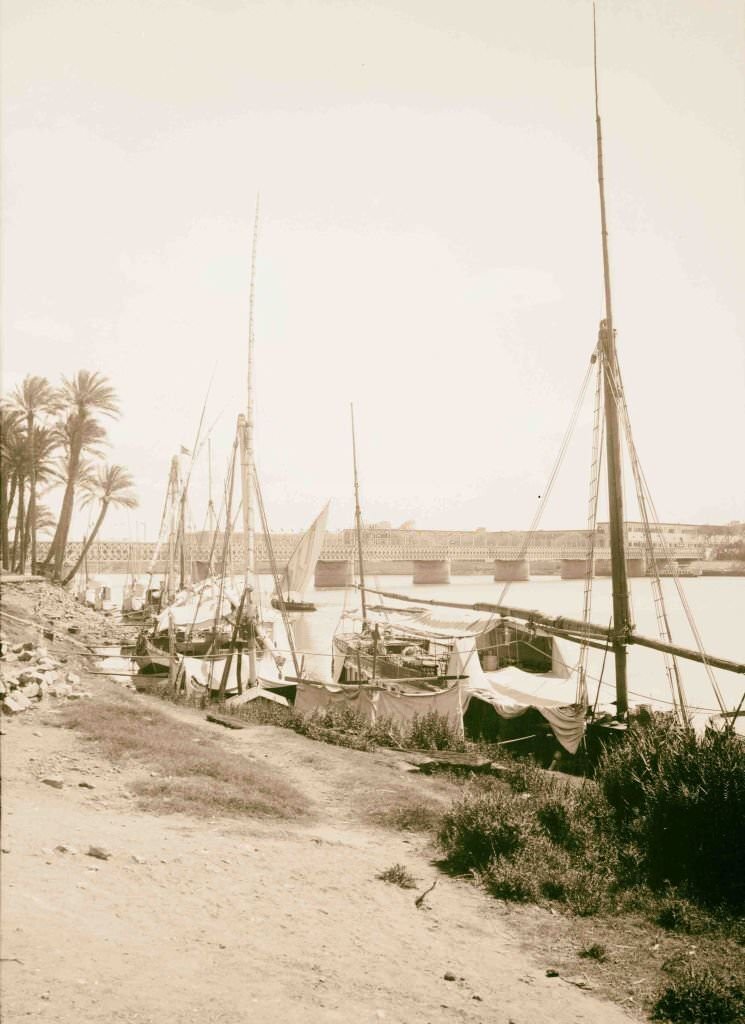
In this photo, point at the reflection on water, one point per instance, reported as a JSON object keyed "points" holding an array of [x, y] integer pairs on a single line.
{"points": [[718, 605]]}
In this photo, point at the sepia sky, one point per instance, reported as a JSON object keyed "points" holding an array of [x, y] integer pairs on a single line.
{"points": [[429, 244]]}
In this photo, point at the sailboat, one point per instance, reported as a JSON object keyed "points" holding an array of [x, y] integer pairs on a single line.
{"points": [[298, 575], [481, 671], [244, 664], [484, 643]]}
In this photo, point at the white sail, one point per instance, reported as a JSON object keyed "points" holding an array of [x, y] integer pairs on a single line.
{"points": [[301, 566]]}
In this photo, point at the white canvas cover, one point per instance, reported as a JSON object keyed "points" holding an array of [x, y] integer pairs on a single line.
{"points": [[377, 702], [512, 691], [197, 606], [202, 675], [436, 622], [314, 665]]}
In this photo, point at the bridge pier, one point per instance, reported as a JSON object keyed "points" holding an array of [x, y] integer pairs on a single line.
{"points": [[337, 573], [575, 568], [508, 570], [435, 570]]}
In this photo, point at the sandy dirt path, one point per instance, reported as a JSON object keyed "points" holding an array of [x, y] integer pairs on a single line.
{"points": [[230, 921]]}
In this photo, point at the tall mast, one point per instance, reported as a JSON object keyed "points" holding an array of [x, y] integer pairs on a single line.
{"points": [[210, 502], [182, 535], [172, 499], [246, 439], [607, 348], [358, 519]]}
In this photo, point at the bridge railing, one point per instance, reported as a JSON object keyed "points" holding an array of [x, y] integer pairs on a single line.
{"points": [[141, 554]]}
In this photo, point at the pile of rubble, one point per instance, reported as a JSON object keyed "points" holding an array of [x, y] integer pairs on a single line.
{"points": [[55, 610], [28, 673]]}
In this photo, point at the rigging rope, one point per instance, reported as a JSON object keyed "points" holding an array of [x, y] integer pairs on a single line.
{"points": [[552, 478], [646, 506], [598, 430], [275, 574]]}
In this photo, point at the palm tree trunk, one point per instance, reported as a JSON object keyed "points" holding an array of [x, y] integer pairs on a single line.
{"points": [[87, 544], [59, 543], [18, 533], [32, 483], [4, 509], [27, 528], [7, 562]]}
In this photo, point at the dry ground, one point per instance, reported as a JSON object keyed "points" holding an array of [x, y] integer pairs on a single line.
{"points": [[239, 919]]}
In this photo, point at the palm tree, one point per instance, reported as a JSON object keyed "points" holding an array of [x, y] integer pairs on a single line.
{"points": [[83, 397], [42, 470], [34, 396], [9, 435], [15, 468], [111, 485], [45, 520]]}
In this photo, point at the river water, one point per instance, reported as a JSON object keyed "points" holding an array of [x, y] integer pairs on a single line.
{"points": [[717, 605]]}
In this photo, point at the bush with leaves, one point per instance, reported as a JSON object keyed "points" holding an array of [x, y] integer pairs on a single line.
{"points": [[681, 799], [697, 995], [487, 823]]}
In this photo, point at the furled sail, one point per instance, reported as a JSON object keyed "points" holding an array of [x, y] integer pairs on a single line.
{"points": [[301, 567]]}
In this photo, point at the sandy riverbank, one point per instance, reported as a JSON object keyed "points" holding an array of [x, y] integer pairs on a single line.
{"points": [[234, 919]]}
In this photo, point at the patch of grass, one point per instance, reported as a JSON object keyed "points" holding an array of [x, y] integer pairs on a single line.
{"points": [[596, 951], [341, 727], [410, 816], [697, 995], [399, 875], [677, 914], [345, 727], [198, 776]]}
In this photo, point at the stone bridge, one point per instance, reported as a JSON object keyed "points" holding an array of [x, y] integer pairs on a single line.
{"points": [[426, 562]]}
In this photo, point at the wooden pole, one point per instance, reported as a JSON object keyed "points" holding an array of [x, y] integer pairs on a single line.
{"points": [[358, 519], [573, 630], [607, 347]]}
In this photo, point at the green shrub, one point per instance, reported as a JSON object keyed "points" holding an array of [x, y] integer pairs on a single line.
{"points": [[698, 996], [433, 731], [513, 880], [484, 825], [556, 819], [681, 799], [525, 776], [677, 914]]}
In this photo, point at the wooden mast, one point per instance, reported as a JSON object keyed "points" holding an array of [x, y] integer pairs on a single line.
{"points": [[607, 347], [358, 520], [246, 441], [172, 498]]}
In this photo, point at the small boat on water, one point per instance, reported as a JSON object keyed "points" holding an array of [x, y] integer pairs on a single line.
{"points": [[301, 566]]}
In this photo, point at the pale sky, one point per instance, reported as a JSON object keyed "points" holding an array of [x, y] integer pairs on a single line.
{"points": [[429, 244]]}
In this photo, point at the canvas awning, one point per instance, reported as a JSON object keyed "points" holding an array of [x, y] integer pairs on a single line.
{"points": [[512, 691], [199, 606], [374, 703]]}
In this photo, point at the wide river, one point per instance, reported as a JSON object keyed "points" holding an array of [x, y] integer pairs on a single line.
{"points": [[717, 605]]}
